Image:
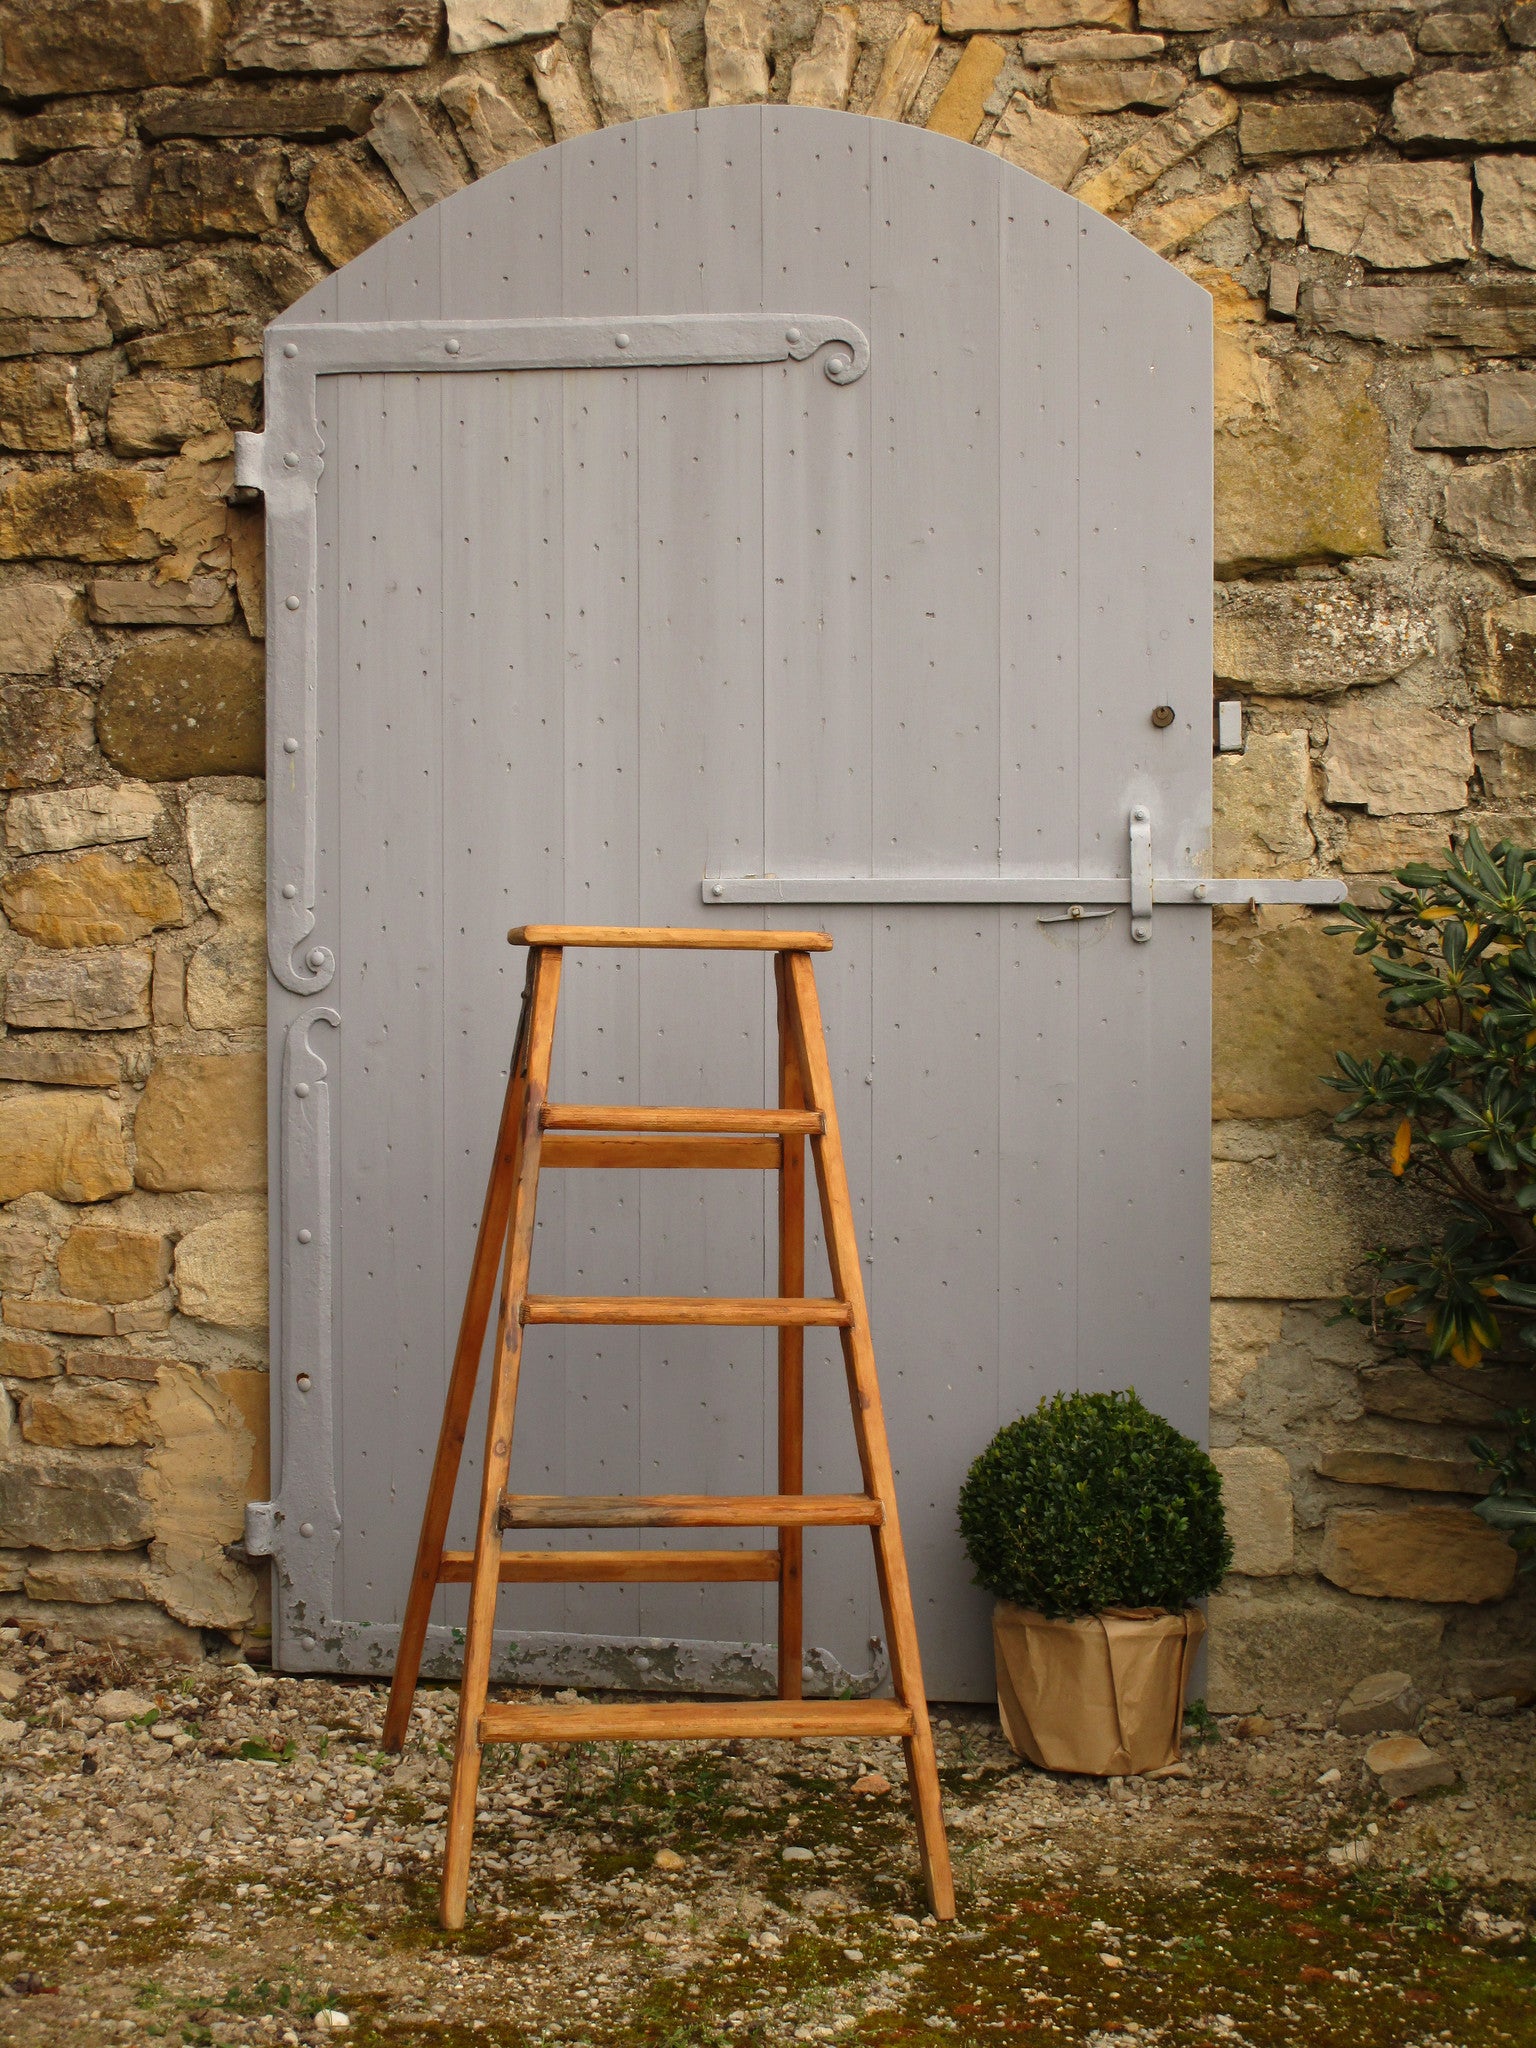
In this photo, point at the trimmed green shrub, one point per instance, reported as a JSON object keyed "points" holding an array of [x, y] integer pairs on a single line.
{"points": [[1093, 1502]]}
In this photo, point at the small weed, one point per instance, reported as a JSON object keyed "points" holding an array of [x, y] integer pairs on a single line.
{"points": [[260, 1751], [1201, 1722]]}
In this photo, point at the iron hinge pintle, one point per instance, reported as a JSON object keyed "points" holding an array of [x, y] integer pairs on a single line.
{"points": [[261, 1520], [250, 462]]}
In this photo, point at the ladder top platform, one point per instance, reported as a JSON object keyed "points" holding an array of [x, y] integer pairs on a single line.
{"points": [[685, 938]]}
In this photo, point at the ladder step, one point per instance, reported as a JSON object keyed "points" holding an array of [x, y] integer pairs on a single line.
{"points": [[689, 1511], [617, 1567], [660, 1149], [687, 1721], [617, 1116], [688, 938], [775, 1311]]}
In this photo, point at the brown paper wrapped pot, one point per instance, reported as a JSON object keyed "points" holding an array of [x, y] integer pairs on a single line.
{"points": [[1102, 1694]]}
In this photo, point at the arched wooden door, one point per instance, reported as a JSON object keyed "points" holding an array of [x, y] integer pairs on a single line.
{"points": [[753, 506]]}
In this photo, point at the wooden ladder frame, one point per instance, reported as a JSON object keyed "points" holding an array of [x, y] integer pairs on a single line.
{"points": [[534, 1134]]}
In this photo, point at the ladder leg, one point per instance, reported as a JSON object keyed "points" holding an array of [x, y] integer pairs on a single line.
{"points": [[485, 1576], [873, 1446], [791, 1350], [489, 1246]]}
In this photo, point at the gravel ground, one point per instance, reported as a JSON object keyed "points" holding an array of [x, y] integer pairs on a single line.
{"points": [[216, 1855]]}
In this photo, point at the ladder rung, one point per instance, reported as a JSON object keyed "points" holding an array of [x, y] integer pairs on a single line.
{"points": [[689, 1721], [575, 1148], [628, 1116], [617, 1567], [688, 1511], [772, 1312]]}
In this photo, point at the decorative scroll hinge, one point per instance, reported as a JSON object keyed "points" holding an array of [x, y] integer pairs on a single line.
{"points": [[261, 1520]]}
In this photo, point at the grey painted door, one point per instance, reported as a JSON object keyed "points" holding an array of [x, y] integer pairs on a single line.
{"points": [[585, 613]]}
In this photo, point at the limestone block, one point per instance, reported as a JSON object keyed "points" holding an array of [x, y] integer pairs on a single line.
{"points": [[101, 1262], [1241, 1333], [106, 991], [1402, 1469], [1256, 1494], [69, 46], [195, 348], [35, 619], [58, 1317], [144, 1318], [1501, 653], [227, 841], [1187, 17], [959, 108], [1306, 127], [1285, 999], [183, 704], [36, 284], [490, 129], [349, 209], [100, 814], [738, 35], [38, 410], [1456, 31], [1167, 228], [1046, 145], [1499, 318], [1338, 60], [1491, 509], [90, 899], [1301, 449], [23, 1253], [1290, 1644], [1106, 88], [43, 733], [1402, 1766], [58, 1063], [23, 1358], [823, 75], [1416, 1553], [90, 195], [62, 1143], [1005, 17], [74, 1500], [66, 1413], [558, 81], [91, 1580], [1505, 744], [157, 415], [1391, 757], [197, 193], [1467, 106], [483, 24], [1380, 846], [1494, 1678], [298, 113], [423, 167], [1161, 144], [168, 992], [1494, 410], [1260, 800], [69, 124], [136, 1625], [1385, 1701], [1314, 639], [635, 72], [1520, 25], [138, 601], [1393, 216], [248, 556], [202, 1123], [86, 515], [1292, 1215], [112, 1365], [903, 68], [332, 35], [221, 1272], [1088, 46], [1445, 1395], [227, 980], [1507, 185], [199, 1473]]}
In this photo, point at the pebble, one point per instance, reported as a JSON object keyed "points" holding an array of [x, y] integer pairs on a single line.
{"points": [[11, 1683], [11, 1731], [331, 2020], [872, 1783], [122, 1706], [668, 1859], [796, 1854]]}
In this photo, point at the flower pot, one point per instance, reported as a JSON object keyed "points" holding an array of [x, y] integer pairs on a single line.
{"points": [[1103, 1694]]}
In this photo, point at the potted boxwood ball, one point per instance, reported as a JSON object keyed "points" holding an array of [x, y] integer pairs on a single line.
{"points": [[1096, 1525]]}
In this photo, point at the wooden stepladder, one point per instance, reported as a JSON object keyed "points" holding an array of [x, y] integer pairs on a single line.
{"points": [[536, 1133]]}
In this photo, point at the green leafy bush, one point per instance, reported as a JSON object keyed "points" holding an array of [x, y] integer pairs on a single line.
{"points": [[1454, 948], [1511, 1503], [1093, 1502]]}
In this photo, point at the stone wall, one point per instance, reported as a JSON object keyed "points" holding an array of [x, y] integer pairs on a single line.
{"points": [[1355, 192]]}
